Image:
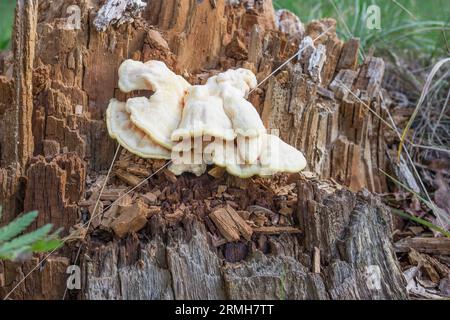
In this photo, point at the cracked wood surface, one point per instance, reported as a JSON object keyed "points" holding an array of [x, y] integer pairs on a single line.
{"points": [[54, 105]]}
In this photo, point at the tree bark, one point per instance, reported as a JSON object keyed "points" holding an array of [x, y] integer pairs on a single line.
{"points": [[54, 106]]}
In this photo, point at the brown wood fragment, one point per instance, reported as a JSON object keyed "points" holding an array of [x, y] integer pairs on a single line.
{"points": [[128, 178], [349, 55], [173, 218], [236, 49], [130, 219], [316, 260], [424, 245], [342, 83], [276, 230], [244, 229], [217, 172], [230, 224], [170, 176], [139, 171], [112, 194], [225, 224], [108, 217], [285, 210], [417, 259], [95, 211], [156, 40], [152, 210], [150, 198], [259, 218]]}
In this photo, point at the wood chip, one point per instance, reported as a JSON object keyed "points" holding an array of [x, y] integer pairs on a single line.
{"points": [[112, 194], [220, 190], [217, 172], [77, 232], [173, 218], [139, 171], [230, 224], [97, 214], [153, 210], [225, 224], [244, 214], [285, 190], [128, 178], [150, 198], [276, 230], [170, 176], [245, 230], [130, 219], [259, 219], [217, 242], [417, 259], [108, 217], [424, 245], [316, 260], [285, 210]]}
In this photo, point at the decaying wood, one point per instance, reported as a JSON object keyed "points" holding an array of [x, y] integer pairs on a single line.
{"points": [[128, 178], [117, 11], [230, 224], [174, 247], [316, 260], [276, 230], [425, 245], [129, 219], [185, 266], [54, 188]]}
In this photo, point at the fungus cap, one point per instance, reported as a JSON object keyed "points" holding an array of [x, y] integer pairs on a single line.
{"points": [[151, 75], [178, 169], [203, 115], [249, 148], [276, 156], [233, 86], [244, 117], [187, 161], [240, 79], [129, 136], [158, 116]]}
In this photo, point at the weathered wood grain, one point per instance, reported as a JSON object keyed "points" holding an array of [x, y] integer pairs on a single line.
{"points": [[54, 105]]}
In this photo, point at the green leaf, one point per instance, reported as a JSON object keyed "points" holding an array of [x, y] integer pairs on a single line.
{"points": [[13, 254], [26, 239], [46, 245], [17, 226]]}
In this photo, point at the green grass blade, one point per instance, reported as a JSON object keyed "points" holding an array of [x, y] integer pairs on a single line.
{"points": [[429, 205], [421, 221], [425, 91]]}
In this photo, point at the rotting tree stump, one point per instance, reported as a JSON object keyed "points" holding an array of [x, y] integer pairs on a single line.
{"points": [[54, 151]]}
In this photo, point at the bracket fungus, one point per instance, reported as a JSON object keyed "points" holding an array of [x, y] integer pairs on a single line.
{"points": [[203, 115], [187, 156], [129, 136], [159, 115], [199, 125]]}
